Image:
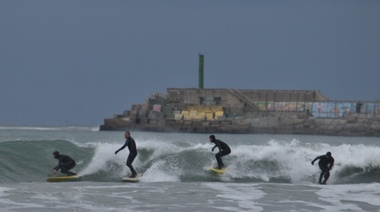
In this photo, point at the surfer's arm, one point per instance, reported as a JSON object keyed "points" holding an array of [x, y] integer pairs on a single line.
{"points": [[331, 164], [317, 158], [213, 148], [312, 162], [121, 148], [217, 144], [59, 164]]}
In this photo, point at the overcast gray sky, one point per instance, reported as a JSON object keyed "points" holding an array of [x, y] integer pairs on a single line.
{"points": [[78, 62]]}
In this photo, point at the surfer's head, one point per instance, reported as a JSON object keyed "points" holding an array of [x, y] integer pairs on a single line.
{"points": [[328, 154], [56, 154], [127, 134], [212, 137]]}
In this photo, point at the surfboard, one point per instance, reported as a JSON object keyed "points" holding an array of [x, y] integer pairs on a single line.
{"points": [[132, 179], [62, 178], [218, 171]]}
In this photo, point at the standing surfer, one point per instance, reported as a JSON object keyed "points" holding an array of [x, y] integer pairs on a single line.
{"points": [[325, 163], [130, 142]]}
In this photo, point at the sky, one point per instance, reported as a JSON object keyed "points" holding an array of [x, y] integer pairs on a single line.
{"points": [[75, 63]]}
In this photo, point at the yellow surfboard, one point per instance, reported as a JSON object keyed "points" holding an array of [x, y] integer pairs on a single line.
{"points": [[132, 179], [62, 178], [218, 171]]}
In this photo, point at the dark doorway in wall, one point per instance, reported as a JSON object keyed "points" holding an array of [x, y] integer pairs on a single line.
{"points": [[217, 100]]}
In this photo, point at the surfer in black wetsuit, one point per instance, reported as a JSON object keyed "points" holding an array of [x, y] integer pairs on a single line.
{"points": [[132, 151], [224, 149], [325, 163], [65, 163]]}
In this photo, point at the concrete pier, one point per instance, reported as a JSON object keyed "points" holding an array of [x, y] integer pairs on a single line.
{"points": [[306, 112]]}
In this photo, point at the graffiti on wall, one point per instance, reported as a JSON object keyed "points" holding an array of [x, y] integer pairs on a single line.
{"points": [[284, 106], [344, 109], [323, 109]]}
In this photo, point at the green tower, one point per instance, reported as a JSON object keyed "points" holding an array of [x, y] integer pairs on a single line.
{"points": [[201, 60]]}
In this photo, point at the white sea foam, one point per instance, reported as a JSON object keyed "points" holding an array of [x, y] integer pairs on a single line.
{"points": [[243, 195], [6, 201], [165, 162], [293, 159], [280, 158], [3, 191], [349, 197], [104, 152], [157, 173]]}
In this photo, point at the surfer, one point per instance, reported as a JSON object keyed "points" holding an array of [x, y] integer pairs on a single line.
{"points": [[65, 163], [130, 142], [224, 149], [325, 163]]}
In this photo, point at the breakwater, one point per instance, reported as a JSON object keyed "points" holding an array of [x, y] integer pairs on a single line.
{"points": [[249, 111]]}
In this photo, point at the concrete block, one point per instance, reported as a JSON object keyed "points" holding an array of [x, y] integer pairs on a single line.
{"points": [[178, 116]]}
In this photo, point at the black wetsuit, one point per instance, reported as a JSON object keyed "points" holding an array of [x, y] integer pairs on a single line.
{"points": [[325, 164], [65, 163], [132, 153], [224, 149]]}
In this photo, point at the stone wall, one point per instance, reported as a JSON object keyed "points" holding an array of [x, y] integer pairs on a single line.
{"points": [[192, 96], [274, 123], [245, 111]]}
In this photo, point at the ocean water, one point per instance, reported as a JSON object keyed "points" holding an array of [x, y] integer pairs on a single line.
{"points": [[265, 172]]}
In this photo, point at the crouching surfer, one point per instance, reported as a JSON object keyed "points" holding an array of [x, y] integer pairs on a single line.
{"points": [[65, 163], [224, 150]]}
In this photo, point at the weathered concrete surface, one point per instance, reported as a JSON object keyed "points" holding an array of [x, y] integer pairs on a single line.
{"points": [[277, 124], [233, 111]]}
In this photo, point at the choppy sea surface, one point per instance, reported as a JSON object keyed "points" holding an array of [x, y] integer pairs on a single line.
{"points": [[265, 172]]}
